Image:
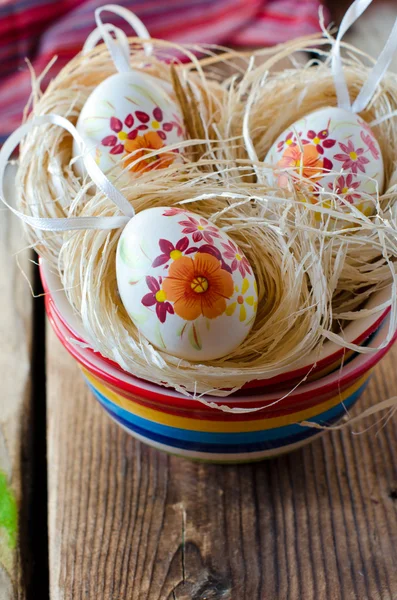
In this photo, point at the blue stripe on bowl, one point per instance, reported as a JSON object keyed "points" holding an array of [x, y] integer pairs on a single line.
{"points": [[306, 433], [224, 442]]}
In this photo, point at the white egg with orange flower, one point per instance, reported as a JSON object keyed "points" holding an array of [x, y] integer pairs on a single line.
{"points": [[185, 284], [330, 155], [127, 123]]}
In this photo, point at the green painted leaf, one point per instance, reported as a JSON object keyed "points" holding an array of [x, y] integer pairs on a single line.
{"points": [[181, 331], [140, 318], [159, 338], [123, 251], [137, 260], [125, 254], [144, 93], [194, 337]]}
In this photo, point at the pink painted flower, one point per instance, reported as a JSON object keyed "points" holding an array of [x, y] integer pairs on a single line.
{"points": [[173, 210], [369, 140], [135, 123], [346, 186], [365, 125], [155, 120], [238, 260], [200, 228], [289, 140], [352, 158], [177, 123], [210, 249], [117, 140], [170, 252], [157, 297], [321, 140]]}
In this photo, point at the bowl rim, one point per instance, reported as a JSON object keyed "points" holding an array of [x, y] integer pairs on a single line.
{"points": [[146, 394], [124, 381], [355, 332]]}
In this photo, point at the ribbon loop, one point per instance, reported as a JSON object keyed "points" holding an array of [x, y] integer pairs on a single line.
{"points": [[97, 176], [119, 48], [351, 16], [97, 35], [377, 72]]}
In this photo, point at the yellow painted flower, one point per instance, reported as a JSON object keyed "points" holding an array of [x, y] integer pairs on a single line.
{"points": [[242, 300]]}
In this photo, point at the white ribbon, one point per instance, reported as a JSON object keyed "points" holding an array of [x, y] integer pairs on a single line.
{"points": [[119, 48], [120, 52], [351, 16], [98, 35], [97, 176], [377, 72]]}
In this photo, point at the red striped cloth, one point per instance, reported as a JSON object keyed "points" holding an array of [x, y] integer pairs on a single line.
{"points": [[40, 29]]}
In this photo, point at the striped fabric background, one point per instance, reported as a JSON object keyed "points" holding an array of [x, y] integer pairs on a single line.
{"points": [[40, 29]]}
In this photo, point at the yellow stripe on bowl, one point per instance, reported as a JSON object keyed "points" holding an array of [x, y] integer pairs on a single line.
{"points": [[164, 418]]}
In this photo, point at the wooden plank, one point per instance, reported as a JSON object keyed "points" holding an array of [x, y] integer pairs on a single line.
{"points": [[15, 399], [127, 522]]}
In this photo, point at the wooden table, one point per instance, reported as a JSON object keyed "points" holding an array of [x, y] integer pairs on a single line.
{"points": [[126, 522], [100, 516]]}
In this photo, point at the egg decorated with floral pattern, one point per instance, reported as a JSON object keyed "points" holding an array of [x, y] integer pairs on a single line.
{"points": [[127, 123], [185, 284], [333, 157]]}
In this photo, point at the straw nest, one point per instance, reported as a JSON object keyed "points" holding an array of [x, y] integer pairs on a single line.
{"points": [[313, 277]]}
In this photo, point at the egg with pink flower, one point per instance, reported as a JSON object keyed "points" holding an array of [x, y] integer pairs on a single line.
{"points": [[185, 284], [127, 123], [332, 158]]}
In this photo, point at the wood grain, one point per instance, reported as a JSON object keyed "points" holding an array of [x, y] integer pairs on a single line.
{"points": [[128, 523], [15, 402]]}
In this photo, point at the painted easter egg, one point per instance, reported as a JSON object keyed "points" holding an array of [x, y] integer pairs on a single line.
{"points": [[336, 153], [185, 284], [125, 120]]}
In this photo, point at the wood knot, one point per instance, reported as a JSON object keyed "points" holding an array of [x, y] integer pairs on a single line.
{"points": [[393, 494], [199, 581], [213, 587]]}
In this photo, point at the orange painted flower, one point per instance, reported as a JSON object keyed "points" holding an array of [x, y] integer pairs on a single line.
{"points": [[305, 160], [142, 147], [198, 286]]}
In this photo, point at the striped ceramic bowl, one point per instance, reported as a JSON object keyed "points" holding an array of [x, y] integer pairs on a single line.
{"points": [[313, 367], [239, 428]]}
